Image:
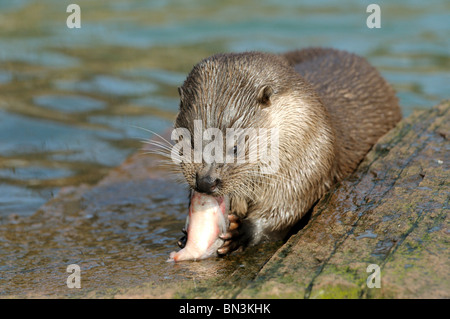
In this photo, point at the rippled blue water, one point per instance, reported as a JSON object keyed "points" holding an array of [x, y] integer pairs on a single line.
{"points": [[70, 99]]}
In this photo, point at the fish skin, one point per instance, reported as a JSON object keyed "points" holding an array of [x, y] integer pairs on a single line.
{"points": [[207, 220]]}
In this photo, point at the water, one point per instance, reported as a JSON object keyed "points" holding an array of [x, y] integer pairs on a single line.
{"points": [[70, 99]]}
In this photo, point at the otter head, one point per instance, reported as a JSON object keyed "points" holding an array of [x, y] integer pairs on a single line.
{"points": [[221, 96], [242, 93]]}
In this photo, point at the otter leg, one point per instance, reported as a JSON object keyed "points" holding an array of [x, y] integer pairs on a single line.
{"points": [[182, 241]]}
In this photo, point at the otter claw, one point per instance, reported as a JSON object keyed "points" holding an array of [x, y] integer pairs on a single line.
{"points": [[182, 241], [231, 236], [233, 233], [229, 246]]}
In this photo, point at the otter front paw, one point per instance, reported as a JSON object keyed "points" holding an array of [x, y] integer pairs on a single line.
{"points": [[182, 241], [233, 236]]}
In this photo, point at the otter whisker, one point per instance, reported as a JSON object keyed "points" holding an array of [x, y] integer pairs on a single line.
{"points": [[150, 131], [158, 144], [157, 152]]}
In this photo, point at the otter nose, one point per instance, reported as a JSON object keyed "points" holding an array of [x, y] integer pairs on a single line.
{"points": [[206, 184]]}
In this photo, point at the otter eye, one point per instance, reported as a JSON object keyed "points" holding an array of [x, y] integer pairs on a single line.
{"points": [[264, 95]]}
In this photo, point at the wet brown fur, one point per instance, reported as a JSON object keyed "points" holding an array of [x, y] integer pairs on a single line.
{"points": [[330, 107]]}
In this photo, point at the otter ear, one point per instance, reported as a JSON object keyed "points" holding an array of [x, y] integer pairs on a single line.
{"points": [[264, 95]]}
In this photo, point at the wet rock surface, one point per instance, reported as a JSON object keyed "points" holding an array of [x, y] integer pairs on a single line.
{"points": [[392, 212]]}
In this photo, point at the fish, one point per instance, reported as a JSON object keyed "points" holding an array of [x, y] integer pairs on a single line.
{"points": [[206, 221]]}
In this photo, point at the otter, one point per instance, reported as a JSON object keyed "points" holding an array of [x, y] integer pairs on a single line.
{"points": [[330, 107]]}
